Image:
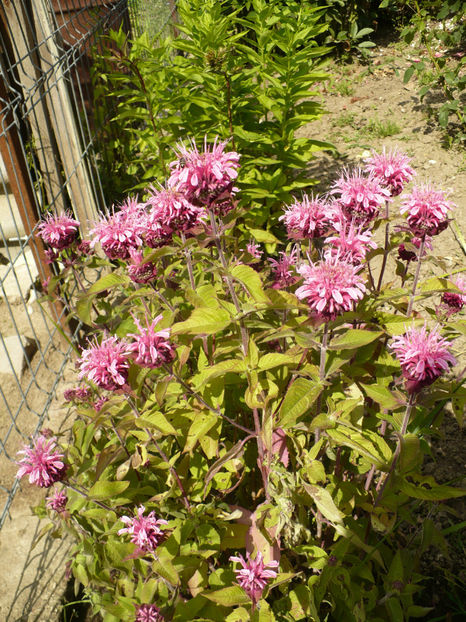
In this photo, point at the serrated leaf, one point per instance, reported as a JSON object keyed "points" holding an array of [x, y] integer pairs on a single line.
{"points": [[264, 237], [200, 426], [157, 420], [107, 282], [300, 397], [203, 321], [251, 280], [354, 338], [228, 596], [324, 502], [381, 395], [275, 359], [107, 490]]}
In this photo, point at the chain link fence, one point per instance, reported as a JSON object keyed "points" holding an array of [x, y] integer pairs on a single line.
{"points": [[49, 162]]}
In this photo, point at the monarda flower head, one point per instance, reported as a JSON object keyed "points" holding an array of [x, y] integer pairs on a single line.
{"points": [[140, 271], [170, 208], [77, 394], [391, 168], [206, 175], [43, 462], [427, 210], [423, 356], [254, 574], [282, 269], [360, 197], [330, 287], [145, 531], [351, 242], [122, 231], [57, 502], [456, 301], [148, 613], [307, 219], [59, 232], [151, 348], [106, 364]]}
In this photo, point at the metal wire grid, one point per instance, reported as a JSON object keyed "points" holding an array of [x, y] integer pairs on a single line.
{"points": [[45, 114]]}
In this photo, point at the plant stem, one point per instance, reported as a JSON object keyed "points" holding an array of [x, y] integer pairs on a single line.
{"points": [[162, 297], [261, 453], [204, 403], [163, 455], [385, 251], [230, 116], [323, 355], [189, 264], [244, 332], [416, 276]]}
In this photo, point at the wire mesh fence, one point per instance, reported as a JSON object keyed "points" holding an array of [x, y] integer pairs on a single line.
{"points": [[49, 162]]}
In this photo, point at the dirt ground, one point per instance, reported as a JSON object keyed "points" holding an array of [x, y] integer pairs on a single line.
{"points": [[369, 107]]}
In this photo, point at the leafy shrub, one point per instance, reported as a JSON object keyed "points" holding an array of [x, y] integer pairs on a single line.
{"points": [[230, 401], [248, 79]]}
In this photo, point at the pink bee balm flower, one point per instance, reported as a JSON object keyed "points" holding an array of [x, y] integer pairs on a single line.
{"points": [[151, 348], [392, 169], [330, 287], [282, 269], [254, 575], [254, 250], [352, 242], [144, 530], [42, 462], [456, 301], [306, 219], [57, 502], [423, 356], [173, 210], [78, 394], [59, 231], [427, 210], [141, 271], [148, 613], [106, 364], [360, 197], [120, 232], [100, 403], [204, 175]]}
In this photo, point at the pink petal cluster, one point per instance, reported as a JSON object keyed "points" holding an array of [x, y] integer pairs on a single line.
{"points": [[254, 250], [119, 232], [254, 574], [456, 301], [352, 241], [106, 364], [330, 287], [171, 209], [145, 531], [423, 356], [307, 219], [43, 462], [151, 348], [204, 176], [139, 270], [100, 403], [57, 502], [59, 232], [427, 210], [282, 269], [148, 613], [360, 197], [392, 169]]}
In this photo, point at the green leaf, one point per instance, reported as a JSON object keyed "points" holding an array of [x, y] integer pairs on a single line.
{"points": [[202, 423], [107, 282], [228, 596], [251, 280], [408, 73], [107, 490], [275, 359], [203, 321], [158, 420], [434, 492], [354, 338], [324, 502], [381, 395], [363, 445], [265, 237], [300, 397]]}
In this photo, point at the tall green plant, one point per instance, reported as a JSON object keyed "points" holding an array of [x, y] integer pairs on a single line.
{"points": [[246, 79]]}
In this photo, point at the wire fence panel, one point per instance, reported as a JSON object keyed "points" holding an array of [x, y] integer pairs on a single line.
{"points": [[49, 162]]}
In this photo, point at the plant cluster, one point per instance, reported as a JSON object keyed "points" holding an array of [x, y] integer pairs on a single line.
{"points": [[247, 77], [252, 421]]}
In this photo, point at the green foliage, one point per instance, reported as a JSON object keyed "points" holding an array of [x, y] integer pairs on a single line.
{"points": [[270, 431], [244, 78]]}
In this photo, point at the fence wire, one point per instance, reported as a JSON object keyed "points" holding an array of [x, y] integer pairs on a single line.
{"points": [[49, 162]]}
